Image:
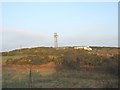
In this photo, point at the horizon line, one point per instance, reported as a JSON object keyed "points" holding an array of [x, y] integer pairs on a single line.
{"points": [[60, 47]]}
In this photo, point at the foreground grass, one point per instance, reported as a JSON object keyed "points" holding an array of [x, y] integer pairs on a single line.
{"points": [[60, 79]]}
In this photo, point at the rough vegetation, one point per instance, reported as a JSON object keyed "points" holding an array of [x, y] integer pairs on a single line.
{"points": [[96, 68]]}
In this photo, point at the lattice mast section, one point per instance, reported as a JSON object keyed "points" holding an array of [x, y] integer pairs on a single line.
{"points": [[55, 40]]}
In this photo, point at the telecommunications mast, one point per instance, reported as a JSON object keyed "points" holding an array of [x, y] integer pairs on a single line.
{"points": [[55, 40]]}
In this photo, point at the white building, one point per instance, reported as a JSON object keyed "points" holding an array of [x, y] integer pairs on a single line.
{"points": [[83, 47]]}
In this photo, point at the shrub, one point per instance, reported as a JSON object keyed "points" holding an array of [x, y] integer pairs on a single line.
{"points": [[71, 60], [111, 65]]}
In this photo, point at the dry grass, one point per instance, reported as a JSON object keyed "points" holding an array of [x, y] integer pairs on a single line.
{"points": [[46, 76]]}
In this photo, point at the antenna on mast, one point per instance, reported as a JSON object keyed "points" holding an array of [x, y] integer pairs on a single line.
{"points": [[55, 40]]}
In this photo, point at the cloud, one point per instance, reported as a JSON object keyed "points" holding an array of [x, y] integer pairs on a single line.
{"points": [[15, 38]]}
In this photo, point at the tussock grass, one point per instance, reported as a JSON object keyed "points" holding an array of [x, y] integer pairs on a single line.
{"points": [[61, 79]]}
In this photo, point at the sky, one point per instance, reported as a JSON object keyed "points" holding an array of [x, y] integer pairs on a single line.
{"points": [[77, 24]]}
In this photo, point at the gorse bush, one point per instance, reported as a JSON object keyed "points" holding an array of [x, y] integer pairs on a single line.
{"points": [[28, 60]]}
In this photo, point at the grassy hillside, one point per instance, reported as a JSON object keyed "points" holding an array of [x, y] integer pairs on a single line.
{"points": [[61, 67]]}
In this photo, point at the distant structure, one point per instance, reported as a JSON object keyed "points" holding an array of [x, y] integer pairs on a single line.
{"points": [[55, 40], [83, 47]]}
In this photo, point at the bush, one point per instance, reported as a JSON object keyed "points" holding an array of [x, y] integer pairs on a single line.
{"points": [[111, 65], [71, 60], [34, 60]]}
